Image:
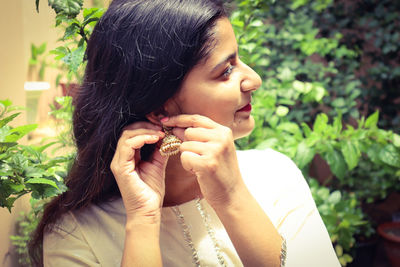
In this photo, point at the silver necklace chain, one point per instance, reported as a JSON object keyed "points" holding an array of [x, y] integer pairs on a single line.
{"points": [[211, 233], [188, 237]]}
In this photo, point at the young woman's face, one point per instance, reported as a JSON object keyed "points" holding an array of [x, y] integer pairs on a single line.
{"points": [[220, 88]]}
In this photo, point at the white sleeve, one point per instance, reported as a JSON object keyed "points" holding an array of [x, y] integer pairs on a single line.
{"points": [[280, 188], [308, 241], [65, 245]]}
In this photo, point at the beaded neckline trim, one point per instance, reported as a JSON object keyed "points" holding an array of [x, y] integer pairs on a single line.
{"points": [[188, 237], [211, 233]]}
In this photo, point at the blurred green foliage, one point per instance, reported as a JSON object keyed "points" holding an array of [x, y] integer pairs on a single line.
{"points": [[26, 168], [372, 28], [316, 100]]}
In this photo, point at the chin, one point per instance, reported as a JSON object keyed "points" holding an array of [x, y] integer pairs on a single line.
{"points": [[244, 128]]}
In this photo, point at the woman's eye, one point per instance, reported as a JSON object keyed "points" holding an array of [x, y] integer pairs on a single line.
{"points": [[228, 71]]}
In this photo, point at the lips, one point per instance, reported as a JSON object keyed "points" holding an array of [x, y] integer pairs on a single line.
{"points": [[246, 108]]}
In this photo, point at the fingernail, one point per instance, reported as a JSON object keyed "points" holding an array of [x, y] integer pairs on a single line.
{"points": [[165, 119]]}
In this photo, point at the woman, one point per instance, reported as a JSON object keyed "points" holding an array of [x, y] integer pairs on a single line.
{"points": [[156, 69]]}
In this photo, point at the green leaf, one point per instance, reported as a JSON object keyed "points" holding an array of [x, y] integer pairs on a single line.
{"points": [[336, 163], [289, 127], [8, 119], [390, 155], [373, 153], [7, 203], [302, 87], [337, 124], [335, 197], [339, 250], [269, 143], [75, 58], [68, 7], [4, 146], [372, 120], [339, 102], [59, 52], [19, 132], [256, 23], [306, 129], [350, 153], [6, 103], [304, 155], [41, 49], [42, 181], [298, 3], [396, 139], [282, 111], [320, 123], [70, 31], [42, 148], [319, 92], [347, 258], [17, 187]]}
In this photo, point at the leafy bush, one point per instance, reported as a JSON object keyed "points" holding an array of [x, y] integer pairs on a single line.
{"points": [[372, 28], [343, 218], [26, 169], [304, 71], [26, 224], [309, 105]]}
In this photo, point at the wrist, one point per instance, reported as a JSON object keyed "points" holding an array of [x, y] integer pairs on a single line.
{"points": [[138, 219], [147, 226], [237, 197]]}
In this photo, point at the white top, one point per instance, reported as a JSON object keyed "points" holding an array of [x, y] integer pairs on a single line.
{"points": [[95, 236]]}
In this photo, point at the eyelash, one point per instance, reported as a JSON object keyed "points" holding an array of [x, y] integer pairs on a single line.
{"points": [[228, 71]]}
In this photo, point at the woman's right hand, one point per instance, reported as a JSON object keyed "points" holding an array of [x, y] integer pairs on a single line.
{"points": [[141, 183]]}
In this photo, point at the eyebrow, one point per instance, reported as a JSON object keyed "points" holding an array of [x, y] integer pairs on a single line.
{"points": [[223, 62]]}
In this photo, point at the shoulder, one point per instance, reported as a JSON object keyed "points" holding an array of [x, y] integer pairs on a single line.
{"points": [[87, 218], [275, 181], [96, 231], [269, 167], [266, 158]]}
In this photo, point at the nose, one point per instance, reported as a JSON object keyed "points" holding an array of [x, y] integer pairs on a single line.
{"points": [[251, 81]]}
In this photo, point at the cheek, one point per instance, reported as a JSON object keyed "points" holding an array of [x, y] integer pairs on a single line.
{"points": [[222, 106], [214, 100]]}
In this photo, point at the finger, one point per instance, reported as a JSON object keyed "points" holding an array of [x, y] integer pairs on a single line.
{"points": [[126, 134], [191, 161], [198, 148], [159, 162], [198, 134], [157, 159], [189, 120], [126, 148]]}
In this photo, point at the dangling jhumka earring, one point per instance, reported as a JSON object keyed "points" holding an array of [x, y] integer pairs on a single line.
{"points": [[170, 143]]}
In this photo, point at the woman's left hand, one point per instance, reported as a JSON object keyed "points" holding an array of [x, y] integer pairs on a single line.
{"points": [[208, 151]]}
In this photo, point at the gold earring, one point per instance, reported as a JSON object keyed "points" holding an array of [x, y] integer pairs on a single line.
{"points": [[170, 143]]}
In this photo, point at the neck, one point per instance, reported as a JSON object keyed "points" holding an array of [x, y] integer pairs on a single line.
{"points": [[180, 185]]}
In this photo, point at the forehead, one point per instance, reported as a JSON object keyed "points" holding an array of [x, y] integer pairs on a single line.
{"points": [[223, 43]]}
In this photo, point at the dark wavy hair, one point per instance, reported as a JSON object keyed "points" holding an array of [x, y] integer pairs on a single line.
{"points": [[137, 57]]}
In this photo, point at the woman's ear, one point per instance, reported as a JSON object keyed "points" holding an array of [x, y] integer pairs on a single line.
{"points": [[156, 116], [170, 108]]}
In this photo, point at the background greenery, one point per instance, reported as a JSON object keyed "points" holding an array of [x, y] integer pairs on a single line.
{"points": [[330, 92]]}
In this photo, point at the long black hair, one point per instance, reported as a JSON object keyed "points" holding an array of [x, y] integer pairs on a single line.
{"points": [[137, 57]]}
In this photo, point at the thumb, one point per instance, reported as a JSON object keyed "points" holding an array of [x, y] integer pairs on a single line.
{"points": [[158, 160], [179, 132]]}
